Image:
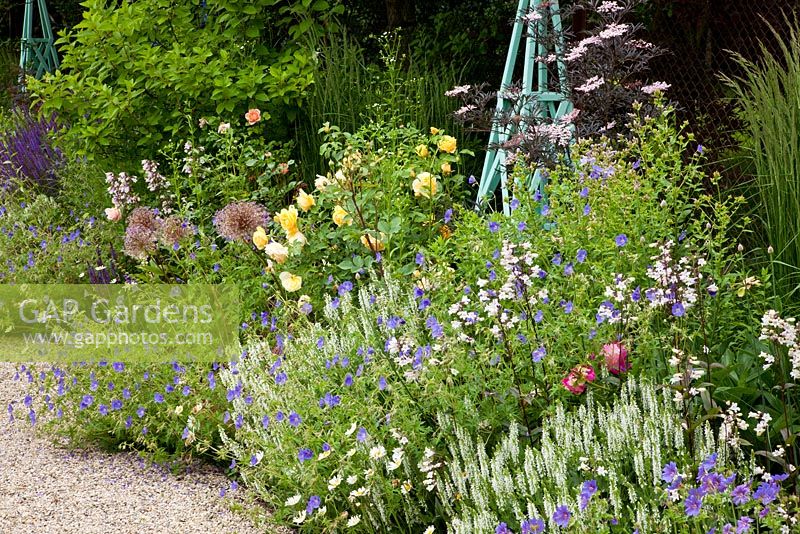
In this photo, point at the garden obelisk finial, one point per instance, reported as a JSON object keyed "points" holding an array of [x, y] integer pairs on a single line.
{"points": [[37, 54], [542, 100]]}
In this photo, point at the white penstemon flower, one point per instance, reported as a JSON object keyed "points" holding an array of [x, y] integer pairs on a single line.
{"points": [[785, 333], [763, 419]]}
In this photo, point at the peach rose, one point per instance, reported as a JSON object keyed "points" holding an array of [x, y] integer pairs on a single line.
{"points": [[113, 214], [253, 116], [277, 252], [424, 185], [373, 243]]}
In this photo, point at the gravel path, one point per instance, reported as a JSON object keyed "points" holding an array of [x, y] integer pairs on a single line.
{"points": [[48, 490]]}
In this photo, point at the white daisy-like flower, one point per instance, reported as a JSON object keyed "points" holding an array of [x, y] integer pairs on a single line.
{"points": [[291, 501], [299, 518], [360, 492], [334, 482], [376, 453], [353, 521]]}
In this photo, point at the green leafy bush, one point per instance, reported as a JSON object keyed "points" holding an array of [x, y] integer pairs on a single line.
{"points": [[131, 71]]}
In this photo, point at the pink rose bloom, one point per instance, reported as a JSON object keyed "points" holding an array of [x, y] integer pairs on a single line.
{"points": [[574, 383], [113, 214], [586, 371], [616, 356]]}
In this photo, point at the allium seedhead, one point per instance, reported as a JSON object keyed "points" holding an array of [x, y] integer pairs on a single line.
{"points": [[174, 230], [140, 242], [146, 218], [238, 220]]}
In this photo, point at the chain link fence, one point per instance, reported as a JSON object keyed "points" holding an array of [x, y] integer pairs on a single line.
{"points": [[701, 37]]}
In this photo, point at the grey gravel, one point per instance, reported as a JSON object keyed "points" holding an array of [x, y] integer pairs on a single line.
{"points": [[48, 489]]}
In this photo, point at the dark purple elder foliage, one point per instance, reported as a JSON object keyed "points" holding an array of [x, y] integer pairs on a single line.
{"points": [[27, 154], [537, 140], [607, 67], [604, 77]]}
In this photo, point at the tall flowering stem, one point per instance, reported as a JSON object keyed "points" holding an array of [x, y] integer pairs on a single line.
{"points": [[510, 361]]}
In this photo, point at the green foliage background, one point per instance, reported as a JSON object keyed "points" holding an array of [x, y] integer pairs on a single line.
{"points": [[131, 72]]}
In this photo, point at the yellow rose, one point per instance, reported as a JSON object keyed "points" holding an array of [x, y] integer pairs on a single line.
{"points": [[422, 151], [435, 131], [260, 238], [305, 201], [446, 169], [287, 218], [425, 185], [373, 243], [290, 282], [447, 144], [341, 217], [277, 252]]}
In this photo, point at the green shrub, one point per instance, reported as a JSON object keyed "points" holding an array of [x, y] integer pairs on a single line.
{"points": [[130, 72]]}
